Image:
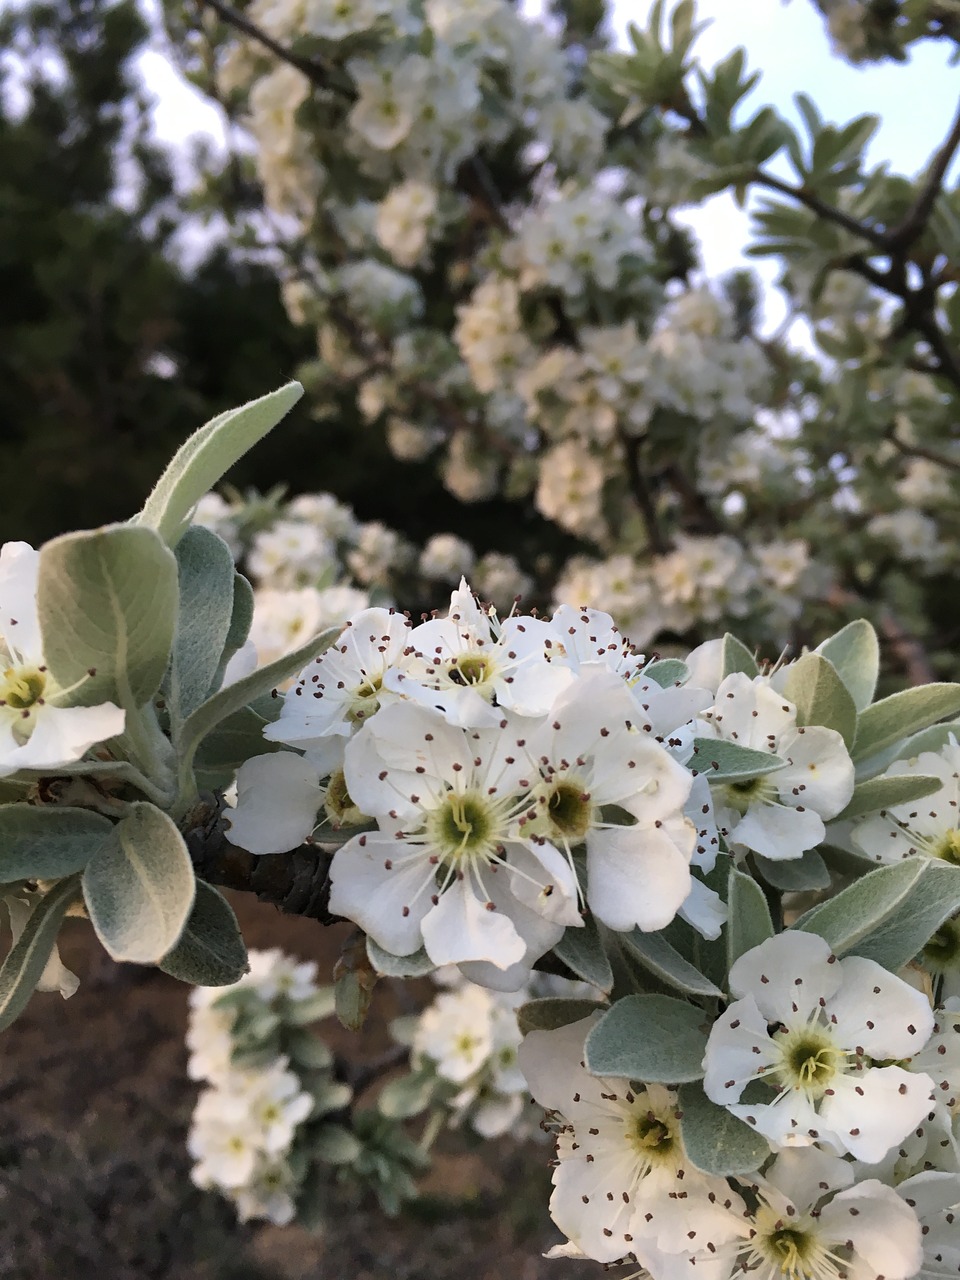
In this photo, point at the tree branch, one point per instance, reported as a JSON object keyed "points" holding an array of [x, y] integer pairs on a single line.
{"points": [[921, 451], [913, 224], [297, 882], [823, 210], [642, 495]]}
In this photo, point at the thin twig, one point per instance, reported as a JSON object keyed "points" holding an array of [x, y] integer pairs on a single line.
{"points": [[921, 451], [315, 71]]}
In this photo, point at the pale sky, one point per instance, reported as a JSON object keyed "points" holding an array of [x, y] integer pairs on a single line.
{"points": [[787, 41]]}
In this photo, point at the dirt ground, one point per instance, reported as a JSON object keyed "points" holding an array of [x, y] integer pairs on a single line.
{"points": [[94, 1108]]}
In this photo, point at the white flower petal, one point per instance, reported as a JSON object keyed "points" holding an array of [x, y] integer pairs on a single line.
{"points": [[778, 831], [770, 974], [872, 1111], [62, 735], [878, 1012], [638, 876], [376, 884], [460, 927], [884, 1231], [818, 767], [278, 798]]}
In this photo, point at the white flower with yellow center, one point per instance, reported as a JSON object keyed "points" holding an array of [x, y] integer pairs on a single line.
{"points": [[826, 1037], [36, 732], [927, 828], [778, 814], [337, 691], [812, 1222], [602, 783], [456, 1032], [622, 1182], [468, 665], [450, 867]]}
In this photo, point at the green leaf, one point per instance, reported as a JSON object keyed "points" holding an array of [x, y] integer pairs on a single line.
{"points": [[863, 907], [335, 1145], [48, 842], [903, 713], [232, 742], [737, 657], [749, 921], [724, 761], [651, 1038], [206, 457], [658, 957], [581, 950], [795, 875], [107, 603], [306, 1049], [417, 965], [206, 577], [241, 620], [27, 958], [821, 697], [554, 1011], [235, 696], [211, 950], [933, 899], [885, 792], [666, 672], [716, 1141], [409, 1095], [855, 653], [139, 887]]}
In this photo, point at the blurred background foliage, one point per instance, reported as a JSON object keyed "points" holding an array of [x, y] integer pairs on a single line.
{"points": [[125, 324]]}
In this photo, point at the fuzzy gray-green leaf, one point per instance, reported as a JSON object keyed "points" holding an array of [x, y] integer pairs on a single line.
{"points": [[107, 601], [48, 842], [139, 887]]}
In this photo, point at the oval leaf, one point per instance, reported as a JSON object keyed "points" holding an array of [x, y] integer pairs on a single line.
{"points": [[107, 603], [652, 1038], [737, 657], [554, 1011], [208, 455], [821, 697], [723, 761], [933, 899], [139, 887], [795, 875], [48, 842], [581, 950], [211, 951], [855, 653], [716, 1141], [658, 957]]}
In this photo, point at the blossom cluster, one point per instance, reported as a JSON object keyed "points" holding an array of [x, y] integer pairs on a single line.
{"points": [[857, 1172], [313, 564], [476, 757], [268, 1081], [463, 1056]]}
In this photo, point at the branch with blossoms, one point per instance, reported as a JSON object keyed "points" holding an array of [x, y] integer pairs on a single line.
{"points": [[754, 870]]}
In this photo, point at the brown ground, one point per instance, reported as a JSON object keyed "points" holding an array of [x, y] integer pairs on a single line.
{"points": [[94, 1107]]}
